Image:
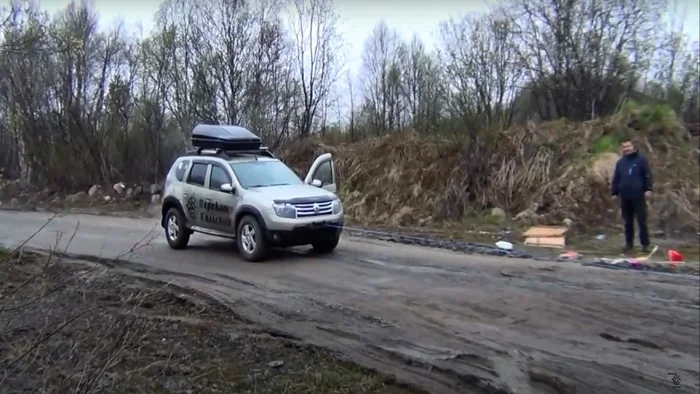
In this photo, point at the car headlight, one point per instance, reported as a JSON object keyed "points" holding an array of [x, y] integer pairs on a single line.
{"points": [[337, 207], [285, 210]]}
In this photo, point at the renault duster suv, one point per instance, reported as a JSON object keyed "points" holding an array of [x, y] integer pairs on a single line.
{"points": [[232, 187]]}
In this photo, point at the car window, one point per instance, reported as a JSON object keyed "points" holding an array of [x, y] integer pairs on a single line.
{"points": [[218, 178], [263, 173], [180, 170], [198, 174], [324, 173]]}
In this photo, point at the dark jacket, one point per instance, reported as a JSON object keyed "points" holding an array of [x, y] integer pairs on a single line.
{"points": [[632, 177]]}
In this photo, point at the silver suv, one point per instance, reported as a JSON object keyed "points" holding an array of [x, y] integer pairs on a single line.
{"points": [[232, 187]]}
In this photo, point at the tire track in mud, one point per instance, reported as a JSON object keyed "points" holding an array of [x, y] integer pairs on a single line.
{"points": [[482, 374]]}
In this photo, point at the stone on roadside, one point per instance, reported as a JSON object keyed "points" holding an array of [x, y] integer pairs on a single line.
{"points": [[138, 190], [14, 202], [129, 192], [568, 222], [119, 188], [93, 190], [155, 198]]}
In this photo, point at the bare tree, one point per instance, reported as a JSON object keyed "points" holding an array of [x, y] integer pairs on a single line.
{"points": [[483, 63], [381, 76], [317, 50], [351, 96]]}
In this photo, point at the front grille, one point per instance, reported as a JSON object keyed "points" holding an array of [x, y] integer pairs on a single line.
{"points": [[314, 209]]}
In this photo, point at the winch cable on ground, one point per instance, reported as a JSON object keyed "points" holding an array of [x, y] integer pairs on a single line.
{"points": [[463, 246]]}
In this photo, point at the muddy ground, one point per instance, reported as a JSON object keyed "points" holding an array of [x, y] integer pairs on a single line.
{"points": [[443, 321], [72, 326]]}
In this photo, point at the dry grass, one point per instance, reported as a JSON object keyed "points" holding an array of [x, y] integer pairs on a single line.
{"points": [[545, 172]]}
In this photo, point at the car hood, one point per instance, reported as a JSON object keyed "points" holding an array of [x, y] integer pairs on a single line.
{"points": [[291, 192]]}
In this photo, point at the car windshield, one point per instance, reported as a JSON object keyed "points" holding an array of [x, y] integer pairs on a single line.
{"points": [[264, 173]]}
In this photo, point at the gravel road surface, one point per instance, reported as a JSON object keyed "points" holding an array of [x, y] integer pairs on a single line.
{"points": [[443, 321]]}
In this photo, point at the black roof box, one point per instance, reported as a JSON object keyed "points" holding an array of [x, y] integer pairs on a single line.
{"points": [[224, 137]]}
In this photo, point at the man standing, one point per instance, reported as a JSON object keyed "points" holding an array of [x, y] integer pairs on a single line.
{"points": [[631, 184]]}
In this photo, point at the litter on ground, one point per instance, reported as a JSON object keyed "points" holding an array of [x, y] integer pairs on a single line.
{"points": [[546, 236], [504, 245]]}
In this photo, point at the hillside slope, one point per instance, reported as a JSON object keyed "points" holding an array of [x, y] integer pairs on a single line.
{"points": [[538, 172]]}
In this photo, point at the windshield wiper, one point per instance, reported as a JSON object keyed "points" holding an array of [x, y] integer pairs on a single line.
{"points": [[271, 184]]}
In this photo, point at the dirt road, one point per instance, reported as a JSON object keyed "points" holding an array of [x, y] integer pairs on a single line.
{"points": [[446, 322]]}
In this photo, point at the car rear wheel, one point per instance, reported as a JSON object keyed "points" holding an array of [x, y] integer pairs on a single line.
{"points": [[251, 240], [175, 232], [326, 245]]}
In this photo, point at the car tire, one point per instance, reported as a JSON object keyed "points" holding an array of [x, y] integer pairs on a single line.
{"points": [[326, 245], [250, 239], [177, 235]]}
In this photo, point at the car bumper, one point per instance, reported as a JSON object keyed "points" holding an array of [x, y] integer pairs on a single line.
{"points": [[276, 223], [307, 233]]}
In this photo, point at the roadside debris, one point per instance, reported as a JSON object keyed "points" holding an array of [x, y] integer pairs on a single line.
{"points": [[504, 245], [674, 256], [275, 364], [546, 236], [570, 255]]}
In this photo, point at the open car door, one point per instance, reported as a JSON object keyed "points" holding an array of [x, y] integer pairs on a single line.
{"points": [[322, 173]]}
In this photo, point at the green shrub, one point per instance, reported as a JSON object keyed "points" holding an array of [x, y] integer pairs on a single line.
{"points": [[605, 143]]}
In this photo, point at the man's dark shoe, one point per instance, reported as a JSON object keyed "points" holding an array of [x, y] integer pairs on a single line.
{"points": [[627, 249], [645, 249]]}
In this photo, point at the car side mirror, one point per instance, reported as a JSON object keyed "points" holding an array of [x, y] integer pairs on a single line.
{"points": [[316, 183], [228, 188]]}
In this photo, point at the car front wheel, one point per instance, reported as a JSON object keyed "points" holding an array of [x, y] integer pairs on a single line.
{"points": [[251, 240], [175, 232], [326, 245]]}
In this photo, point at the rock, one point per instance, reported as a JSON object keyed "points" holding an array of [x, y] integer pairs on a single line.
{"points": [[119, 188], [568, 222], [77, 197], [138, 190], [155, 189], [93, 190], [56, 200], [14, 202], [155, 198], [107, 198], [129, 192]]}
